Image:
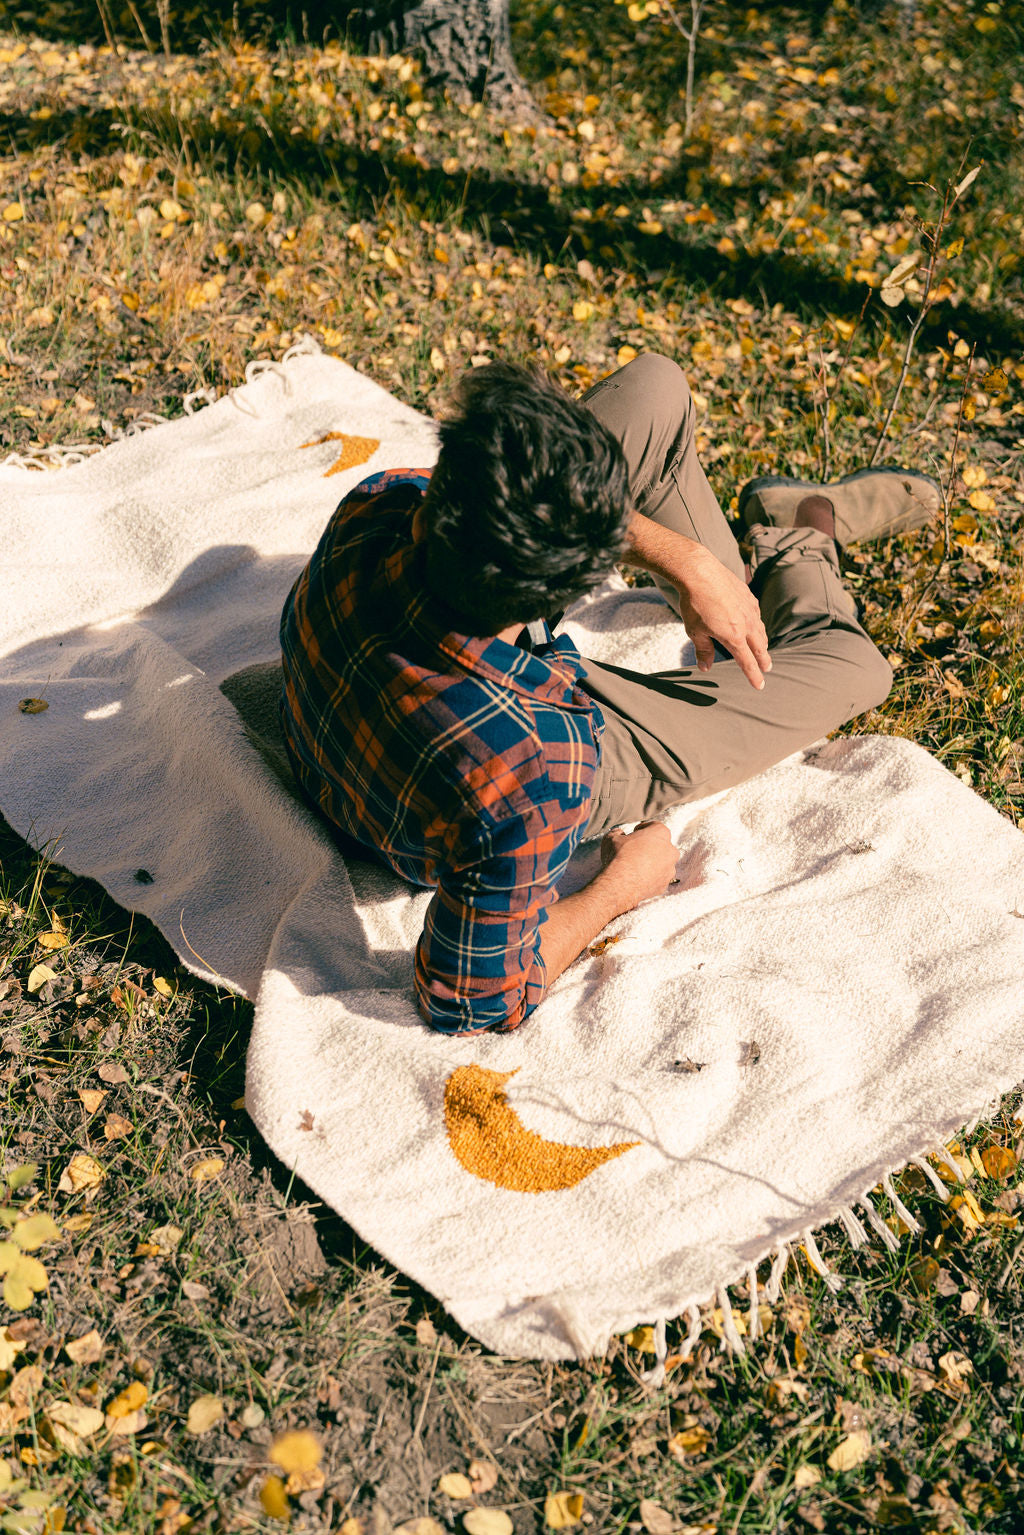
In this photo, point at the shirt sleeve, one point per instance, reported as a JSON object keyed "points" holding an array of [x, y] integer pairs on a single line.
{"points": [[478, 963]]}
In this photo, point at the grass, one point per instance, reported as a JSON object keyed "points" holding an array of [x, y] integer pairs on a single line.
{"points": [[168, 217]]}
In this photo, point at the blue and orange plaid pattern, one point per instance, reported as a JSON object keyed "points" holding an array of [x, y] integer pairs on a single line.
{"points": [[463, 764]]}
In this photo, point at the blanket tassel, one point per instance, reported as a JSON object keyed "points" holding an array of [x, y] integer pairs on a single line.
{"points": [[730, 1333], [817, 1262], [947, 1159], [773, 1288], [877, 1224], [753, 1314], [911, 1222], [932, 1176], [655, 1376], [689, 1343], [854, 1227]]}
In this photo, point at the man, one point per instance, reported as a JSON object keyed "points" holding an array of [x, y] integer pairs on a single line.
{"points": [[435, 723]]}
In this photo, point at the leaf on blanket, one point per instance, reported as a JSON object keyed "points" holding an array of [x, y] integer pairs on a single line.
{"points": [[598, 948], [688, 1067], [751, 1054], [33, 705], [305, 1120]]}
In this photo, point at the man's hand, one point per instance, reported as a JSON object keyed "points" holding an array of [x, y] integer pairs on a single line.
{"points": [[641, 862], [714, 604]]}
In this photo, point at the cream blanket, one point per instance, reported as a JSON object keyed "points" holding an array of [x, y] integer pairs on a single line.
{"points": [[832, 988]]}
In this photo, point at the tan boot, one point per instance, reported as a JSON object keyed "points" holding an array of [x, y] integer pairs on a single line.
{"points": [[871, 503]]}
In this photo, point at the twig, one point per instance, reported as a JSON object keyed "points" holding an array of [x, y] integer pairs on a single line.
{"points": [[690, 33], [947, 496], [426, 1394]]}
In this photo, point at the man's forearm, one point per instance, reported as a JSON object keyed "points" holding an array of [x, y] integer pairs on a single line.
{"points": [[660, 550]]}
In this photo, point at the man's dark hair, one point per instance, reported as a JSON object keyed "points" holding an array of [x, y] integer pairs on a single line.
{"points": [[528, 505]]}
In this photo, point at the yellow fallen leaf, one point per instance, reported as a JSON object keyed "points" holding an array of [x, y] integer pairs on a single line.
{"points": [[32, 1231], [24, 1277], [163, 987], [166, 1239], [454, 1485], [982, 501], [52, 940], [973, 475], [689, 1441], [256, 214], [91, 1098], [274, 1499], [38, 977], [81, 1422], [296, 1451], [806, 1476], [849, 1452], [204, 1412], [25, 1385], [582, 309], [305, 1481], [563, 1509], [655, 1519], [487, 1521], [10, 1348], [33, 706], [13, 213], [999, 1162], [88, 1349], [483, 1475], [641, 1338], [82, 1172], [74, 1225], [206, 1170], [131, 1423], [117, 1127], [956, 1366], [127, 1401]]}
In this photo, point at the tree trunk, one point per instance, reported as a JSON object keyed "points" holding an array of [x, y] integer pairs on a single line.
{"points": [[465, 46]]}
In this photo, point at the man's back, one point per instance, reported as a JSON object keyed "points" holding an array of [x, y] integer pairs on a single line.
{"points": [[464, 763]]}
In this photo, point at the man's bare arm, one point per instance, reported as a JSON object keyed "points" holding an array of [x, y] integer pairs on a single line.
{"points": [[714, 603], [636, 866]]}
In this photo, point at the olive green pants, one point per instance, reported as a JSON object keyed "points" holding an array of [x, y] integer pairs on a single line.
{"points": [[680, 735]]}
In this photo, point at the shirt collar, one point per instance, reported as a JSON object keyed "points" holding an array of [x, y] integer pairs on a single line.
{"points": [[549, 678]]}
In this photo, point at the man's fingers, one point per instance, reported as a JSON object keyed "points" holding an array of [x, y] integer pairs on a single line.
{"points": [[748, 665], [704, 649]]}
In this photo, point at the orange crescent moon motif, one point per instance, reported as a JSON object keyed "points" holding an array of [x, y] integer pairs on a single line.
{"points": [[355, 450], [491, 1141]]}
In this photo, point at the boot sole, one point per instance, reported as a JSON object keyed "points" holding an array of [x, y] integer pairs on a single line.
{"points": [[764, 481]]}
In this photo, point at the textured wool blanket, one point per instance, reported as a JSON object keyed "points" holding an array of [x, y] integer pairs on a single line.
{"points": [[832, 988]]}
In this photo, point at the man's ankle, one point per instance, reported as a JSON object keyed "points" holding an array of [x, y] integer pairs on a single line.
{"points": [[816, 511]]}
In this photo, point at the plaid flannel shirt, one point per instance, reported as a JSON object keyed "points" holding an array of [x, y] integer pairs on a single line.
{"points": [[464, 764]]}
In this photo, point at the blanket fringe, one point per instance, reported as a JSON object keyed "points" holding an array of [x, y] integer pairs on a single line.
{"points": [[76, 453], [731, 1340]]}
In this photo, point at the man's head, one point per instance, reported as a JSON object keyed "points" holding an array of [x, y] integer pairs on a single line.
{"points": [[528, 505]]}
